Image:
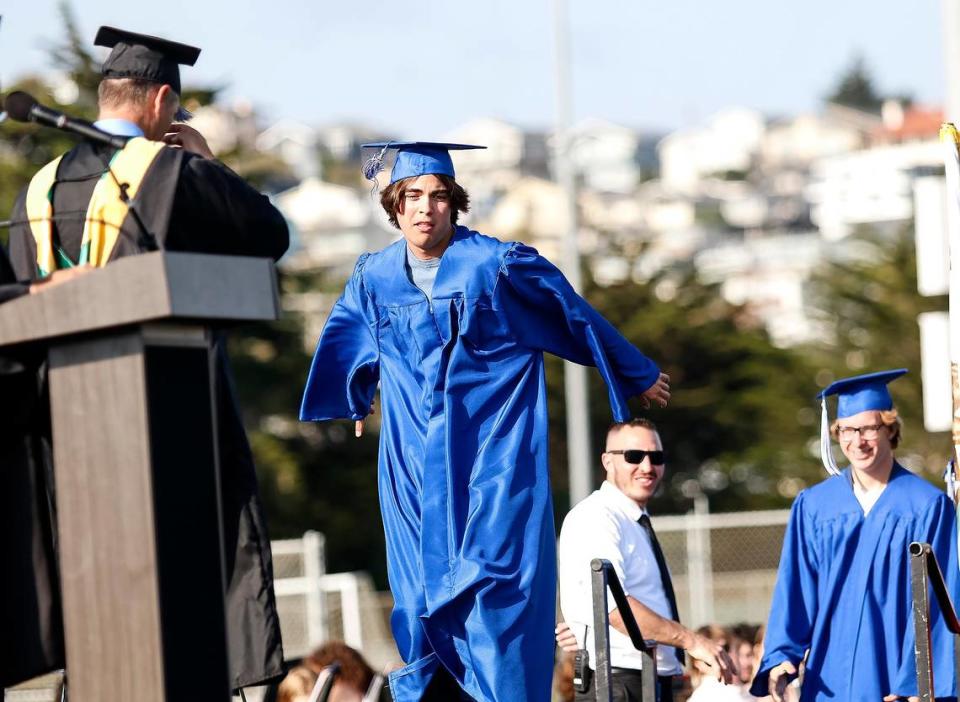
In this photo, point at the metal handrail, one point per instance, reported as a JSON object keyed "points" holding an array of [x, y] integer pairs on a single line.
{"points": [[924, 572], [603, 576]]}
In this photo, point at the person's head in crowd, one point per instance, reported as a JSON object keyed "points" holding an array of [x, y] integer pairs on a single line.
{"points": [[743, 649], [634, 459], [758, 642], [298, 685], [354, 676]]}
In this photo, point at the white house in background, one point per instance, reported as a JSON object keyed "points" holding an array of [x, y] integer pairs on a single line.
{"points": [[605, 155], [342, 141], [504, 142], [332, 225], [226, 128], [873, 186], [486, 173], [768, 275], [798, 141], [729, 141], [534, 211], [665, 212], [295, 144], [613, 213]]}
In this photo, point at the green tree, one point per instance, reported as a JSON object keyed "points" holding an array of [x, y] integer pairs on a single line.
{"points": [[26, 147], [855, 88], [740, 418], [312, 475]]}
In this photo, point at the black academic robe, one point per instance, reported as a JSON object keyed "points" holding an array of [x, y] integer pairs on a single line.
{"points": [[29, 591], [187, 203]]}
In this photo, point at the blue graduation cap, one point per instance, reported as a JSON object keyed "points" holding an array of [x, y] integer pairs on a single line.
{"points": [[414, 158], [860, 393]]}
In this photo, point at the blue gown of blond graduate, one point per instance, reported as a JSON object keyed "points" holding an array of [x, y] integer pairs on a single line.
{"points": [[843, 591], [463, 476]]}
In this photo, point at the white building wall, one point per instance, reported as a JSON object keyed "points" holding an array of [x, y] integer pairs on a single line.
{"points": [[872, 186]]}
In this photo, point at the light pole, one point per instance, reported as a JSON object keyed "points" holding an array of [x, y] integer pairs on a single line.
{"points": [[574, 375]]}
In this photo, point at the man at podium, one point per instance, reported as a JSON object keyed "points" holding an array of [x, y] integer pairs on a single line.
{"points": [[165, 190]]}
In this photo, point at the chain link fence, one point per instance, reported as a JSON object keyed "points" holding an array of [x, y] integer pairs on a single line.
{"points": [[724, 566]]}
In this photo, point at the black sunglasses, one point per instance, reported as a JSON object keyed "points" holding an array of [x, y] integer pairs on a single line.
{"points": [[636, 456]]}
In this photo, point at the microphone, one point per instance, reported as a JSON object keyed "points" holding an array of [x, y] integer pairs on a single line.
{"points": [[22, 107]]}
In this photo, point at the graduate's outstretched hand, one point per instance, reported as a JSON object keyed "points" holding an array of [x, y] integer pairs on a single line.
{"points": [[358, 425], [710, 652], [187, 138], [780, 677], [894, 698], [659, 392], [565, 638]]}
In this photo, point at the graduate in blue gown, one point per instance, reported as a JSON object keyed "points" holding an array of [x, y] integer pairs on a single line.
{"points": [[843, 589], [453, 324]]}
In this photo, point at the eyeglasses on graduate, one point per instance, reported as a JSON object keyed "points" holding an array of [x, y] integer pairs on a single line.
{"points": [[868, 432]]}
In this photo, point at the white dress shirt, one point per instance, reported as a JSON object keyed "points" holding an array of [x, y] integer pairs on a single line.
{"points": [[604, 525]]}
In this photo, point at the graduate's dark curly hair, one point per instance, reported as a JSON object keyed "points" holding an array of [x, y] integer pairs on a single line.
{"points": [[392, 198]]}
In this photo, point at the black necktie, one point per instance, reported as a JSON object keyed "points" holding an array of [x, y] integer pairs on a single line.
{"points": [[644, 521]]}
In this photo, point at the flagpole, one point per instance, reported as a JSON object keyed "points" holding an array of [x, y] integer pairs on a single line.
{"points": [[950, 141]]}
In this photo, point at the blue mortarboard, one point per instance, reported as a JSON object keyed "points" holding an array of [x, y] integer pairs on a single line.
{"points": [[861, 393], [414, 158]]}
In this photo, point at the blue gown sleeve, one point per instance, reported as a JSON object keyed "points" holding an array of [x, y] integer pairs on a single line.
{"points": [[545, 313], [794, 606], [346, 365], [938, 528]]}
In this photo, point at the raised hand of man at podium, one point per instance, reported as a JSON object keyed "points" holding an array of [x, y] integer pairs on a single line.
{"points": [[185, 137]]}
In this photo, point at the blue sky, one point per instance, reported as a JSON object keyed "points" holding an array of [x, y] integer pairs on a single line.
{"points": [[421, 68]]}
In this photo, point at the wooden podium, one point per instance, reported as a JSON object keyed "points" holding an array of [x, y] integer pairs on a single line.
{"points": [[132, 403]]}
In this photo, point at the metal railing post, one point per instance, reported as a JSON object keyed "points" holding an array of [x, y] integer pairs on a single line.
{"points": [[603, 576], [921, 621], [925, 573], [601, 636]]}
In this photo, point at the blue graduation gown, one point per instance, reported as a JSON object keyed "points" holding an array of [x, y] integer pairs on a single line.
{"points": [[843, 590], [463, 477]]}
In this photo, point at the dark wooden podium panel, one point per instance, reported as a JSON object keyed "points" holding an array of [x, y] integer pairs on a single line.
{"points": [[140, 547]]}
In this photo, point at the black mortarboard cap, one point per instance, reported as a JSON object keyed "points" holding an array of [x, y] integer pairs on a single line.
{"points": [[145, 57]]}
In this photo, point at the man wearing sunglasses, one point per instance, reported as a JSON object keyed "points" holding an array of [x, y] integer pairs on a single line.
{"points": [[613, 523]]}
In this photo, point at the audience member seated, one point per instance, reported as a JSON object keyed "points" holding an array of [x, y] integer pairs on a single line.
{"points": [[352, 680], [706, 687], [297, 686], [743, 639]]}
